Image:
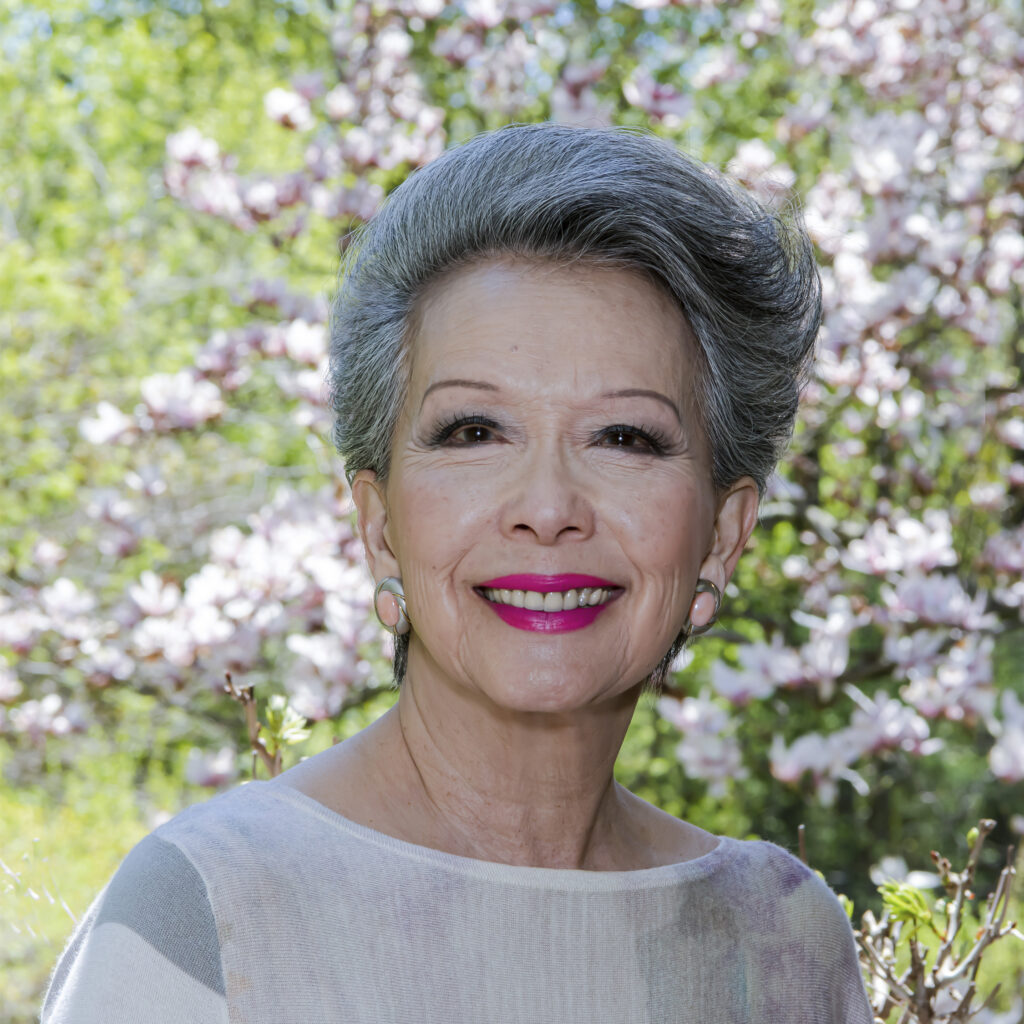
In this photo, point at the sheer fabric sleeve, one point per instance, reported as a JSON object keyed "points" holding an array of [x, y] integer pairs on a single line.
{"points": [[147, 949]]}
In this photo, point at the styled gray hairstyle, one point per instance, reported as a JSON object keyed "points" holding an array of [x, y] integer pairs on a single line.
{"points": [[743, 276]]}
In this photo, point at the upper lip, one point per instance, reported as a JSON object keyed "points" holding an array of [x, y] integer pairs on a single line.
{"points": [[546, 584]]}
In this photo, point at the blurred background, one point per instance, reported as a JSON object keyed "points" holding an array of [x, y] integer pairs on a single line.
{"points": [[176, 180]]}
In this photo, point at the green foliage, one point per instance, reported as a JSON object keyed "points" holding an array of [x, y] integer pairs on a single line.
{"points": [[104, 279], [56, 855], [284, 725]]}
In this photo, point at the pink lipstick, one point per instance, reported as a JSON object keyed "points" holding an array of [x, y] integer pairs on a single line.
{"points": [[547, 584], [539, 621]]}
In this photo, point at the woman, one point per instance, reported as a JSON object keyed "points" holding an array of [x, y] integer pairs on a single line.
{"points": [[564, 362]]}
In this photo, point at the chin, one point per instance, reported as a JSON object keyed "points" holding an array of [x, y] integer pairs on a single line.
{"points": [[550, 692]]}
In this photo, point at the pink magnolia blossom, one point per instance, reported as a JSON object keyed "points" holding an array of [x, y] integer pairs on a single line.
{"points": [[309, 85], [960, 686], [47, 553], [260, 199], [288, 108], [10, 685], [104, 662], [937, 599], [1011, 432], [163, 638], [305, 342], [919, 649], [1005, 551], [662, 102], [340, 103], [579, 107], [1006, 758], [107, 426], [894, 869], [179, 400], [902, 544], [763, 668], [192, 149], [885, 723], [21, 624], [426, 9], [47, 716], [457, 45], [709, 749], [757, 167], [213, 769], [153, 596], [754, 23], [826, 757], [64, 601]]}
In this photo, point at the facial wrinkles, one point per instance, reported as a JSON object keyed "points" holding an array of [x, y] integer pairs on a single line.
{"points": [[494, 320], [460, 494]]}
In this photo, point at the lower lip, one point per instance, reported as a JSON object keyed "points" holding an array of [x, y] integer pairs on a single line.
{"points": [[547, 622]]}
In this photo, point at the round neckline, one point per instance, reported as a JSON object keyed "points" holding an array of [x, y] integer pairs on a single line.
{"points": [[569, 879]]}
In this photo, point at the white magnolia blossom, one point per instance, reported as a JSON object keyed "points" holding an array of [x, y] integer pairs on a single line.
{"points": [[211, 768], [288, 108], [191, 148], [109, 424], [902, 544], [1006, 757], [10, 685], [709, 749], [180, 400], [960, 686], [931, 598]]}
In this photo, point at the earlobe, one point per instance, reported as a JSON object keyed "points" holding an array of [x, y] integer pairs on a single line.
{"points": [[372, 508]]}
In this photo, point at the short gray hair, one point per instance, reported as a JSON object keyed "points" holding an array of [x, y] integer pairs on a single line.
{"points": [[743, 276]]}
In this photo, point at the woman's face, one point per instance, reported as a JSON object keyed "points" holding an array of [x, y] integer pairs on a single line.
{"points": [[550, 433]]}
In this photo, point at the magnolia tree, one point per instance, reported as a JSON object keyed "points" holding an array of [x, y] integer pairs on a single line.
{"points": [[879, 612]]}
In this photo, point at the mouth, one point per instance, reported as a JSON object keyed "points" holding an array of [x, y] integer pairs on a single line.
{"points": [[548, 604]]}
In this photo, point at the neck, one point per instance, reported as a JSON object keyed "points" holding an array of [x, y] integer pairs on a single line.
{"points": [[496, 783]]}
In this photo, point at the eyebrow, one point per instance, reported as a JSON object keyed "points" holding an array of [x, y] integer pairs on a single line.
{"points": [[481, 385], [458, 382], [645, 393]]}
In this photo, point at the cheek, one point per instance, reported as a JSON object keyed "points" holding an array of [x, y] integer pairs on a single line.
{"points": [[665, 530], [434, 520]]}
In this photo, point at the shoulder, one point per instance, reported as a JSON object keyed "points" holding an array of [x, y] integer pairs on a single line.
{"points": [[159, 895], [150, 930], [775, 872], [778, 890], [796, 927]]}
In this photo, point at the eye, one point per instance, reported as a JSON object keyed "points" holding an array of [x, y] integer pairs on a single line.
{"points": [[464, 432], [475, 433], [624, 436]]}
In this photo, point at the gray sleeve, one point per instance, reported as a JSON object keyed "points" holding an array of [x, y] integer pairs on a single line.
{"points": [[147, 949]]}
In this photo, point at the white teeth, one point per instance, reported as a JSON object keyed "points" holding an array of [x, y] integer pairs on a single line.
{"points": [[552, 601]]}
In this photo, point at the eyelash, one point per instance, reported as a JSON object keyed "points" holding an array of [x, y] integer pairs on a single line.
{"points": [[444, 430], [657, 443]]}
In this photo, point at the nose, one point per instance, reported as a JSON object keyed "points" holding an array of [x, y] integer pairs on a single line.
{"points": [[547, 501]]}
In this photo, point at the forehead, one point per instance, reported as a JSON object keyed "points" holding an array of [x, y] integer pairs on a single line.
{"points": [[546, 325]]}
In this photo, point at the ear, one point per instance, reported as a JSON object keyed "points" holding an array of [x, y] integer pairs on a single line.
{"points": [[734, 523], [372, 508]]}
